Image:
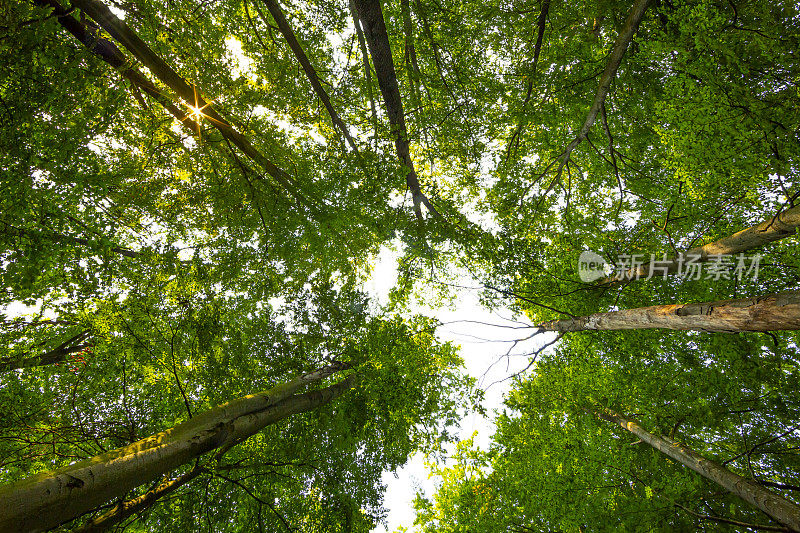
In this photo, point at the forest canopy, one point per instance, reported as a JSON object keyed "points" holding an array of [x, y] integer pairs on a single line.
{"points": [[193, 195]]}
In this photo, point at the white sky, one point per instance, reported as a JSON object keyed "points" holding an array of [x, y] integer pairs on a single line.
{"points": [[482, 348]]}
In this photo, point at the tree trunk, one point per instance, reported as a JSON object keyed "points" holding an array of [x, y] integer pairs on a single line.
{"points": [[291, 39], [56, 355], [410, 58], [136, 505], [775, 228], [779, 508], [48, 499], [367, 69], [112, 55], [59, 355], [541, 24], [190, 93], [371, 16], [767, 313], [624, 38]]}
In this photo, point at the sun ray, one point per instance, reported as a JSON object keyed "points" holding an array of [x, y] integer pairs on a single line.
{"points": [[196, 113]]}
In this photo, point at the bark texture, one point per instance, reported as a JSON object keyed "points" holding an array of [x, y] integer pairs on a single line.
{"points": [[776, 506], [772, 312], [48, 499], [773, 229]]}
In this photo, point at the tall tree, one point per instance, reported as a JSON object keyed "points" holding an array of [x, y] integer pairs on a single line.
{"points": [[555, 465], [781, 509], [50, 499], [172, 185]]}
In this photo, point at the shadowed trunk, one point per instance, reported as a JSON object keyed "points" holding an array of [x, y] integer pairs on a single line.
{"points": [[367, 69], [371, 16], [112, 55], [188, 92], [313, 78], [55, 356], [767, 313], [410, 58], [537, 50]]}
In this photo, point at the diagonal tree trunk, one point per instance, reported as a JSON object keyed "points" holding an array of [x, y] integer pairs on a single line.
{"points": [[136, 505], [624, 38], [371, 16], [776, 506], [537, 50], [775, 228], [190, 93], [109, 53], [112, 55], [48, 499], [367, 69], [772, 312], [313, 78]]}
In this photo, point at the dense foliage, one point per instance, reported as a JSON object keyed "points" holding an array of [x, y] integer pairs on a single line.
{"points": [[166, 270]]}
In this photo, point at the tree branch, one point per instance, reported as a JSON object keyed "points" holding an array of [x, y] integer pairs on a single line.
{"points": [[313, 78], [620, 46]]}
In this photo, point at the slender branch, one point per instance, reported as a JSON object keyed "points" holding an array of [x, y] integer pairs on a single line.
{"points": [[541, 23], [720, 520], [750, 450], [60, 237], [256, 498], [624, 38]]}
